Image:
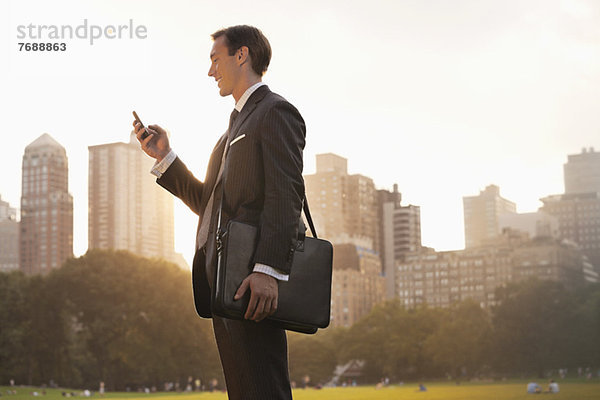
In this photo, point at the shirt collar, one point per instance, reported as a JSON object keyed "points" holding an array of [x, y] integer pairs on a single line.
{"points": [[242, 101]]}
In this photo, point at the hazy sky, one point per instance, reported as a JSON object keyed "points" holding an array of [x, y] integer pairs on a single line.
{"points": [[441, 97]]}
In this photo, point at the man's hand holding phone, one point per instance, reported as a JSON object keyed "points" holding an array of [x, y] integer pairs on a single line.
{"points": [[154, 139]]}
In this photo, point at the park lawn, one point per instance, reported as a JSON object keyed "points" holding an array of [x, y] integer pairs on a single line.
{"points": [[501, 391], [495, 391]]}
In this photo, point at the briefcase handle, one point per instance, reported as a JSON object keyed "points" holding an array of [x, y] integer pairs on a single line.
{"points": [[309, 218]]}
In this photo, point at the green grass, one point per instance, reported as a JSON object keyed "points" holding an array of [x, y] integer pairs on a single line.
{"points": [[436, 391]]}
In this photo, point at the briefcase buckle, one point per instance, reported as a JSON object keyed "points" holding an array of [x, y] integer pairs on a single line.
{"points": [[220, 234]]}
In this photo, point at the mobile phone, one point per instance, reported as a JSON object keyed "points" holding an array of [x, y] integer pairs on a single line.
{"points": [[145, 134]]}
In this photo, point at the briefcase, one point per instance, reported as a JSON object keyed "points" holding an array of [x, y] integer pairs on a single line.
{"points": [[304, 301]]}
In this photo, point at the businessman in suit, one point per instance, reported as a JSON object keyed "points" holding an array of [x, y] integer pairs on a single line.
{"points": [[261, 153]]}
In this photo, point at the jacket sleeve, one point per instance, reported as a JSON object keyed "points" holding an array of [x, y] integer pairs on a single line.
{"points": [[178, 180], [282, 140]]}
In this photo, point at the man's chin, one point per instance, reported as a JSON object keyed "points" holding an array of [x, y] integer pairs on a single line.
{"points": [[224, 92]]}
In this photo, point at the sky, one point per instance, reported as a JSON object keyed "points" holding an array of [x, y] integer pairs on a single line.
{"points": [[441, 97]]}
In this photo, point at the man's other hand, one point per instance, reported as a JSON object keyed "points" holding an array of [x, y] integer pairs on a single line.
{"points": [[263, 295], [156, 144]]}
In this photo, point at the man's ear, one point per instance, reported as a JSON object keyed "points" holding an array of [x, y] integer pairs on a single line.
{"points": [[243, 55]]}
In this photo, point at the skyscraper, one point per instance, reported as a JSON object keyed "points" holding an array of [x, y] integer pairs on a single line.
{"points": [[344, 205], [400, 232], [46, 238], [578, 217], [578, 209], [344, 209], [127, 209], [9, 237], [582, 172], [481, 215]]}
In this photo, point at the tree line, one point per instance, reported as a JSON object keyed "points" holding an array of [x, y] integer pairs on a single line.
{"points": [[537, 329], [129, 321]]}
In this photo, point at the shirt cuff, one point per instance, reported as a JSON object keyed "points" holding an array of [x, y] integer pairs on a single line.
{"points": [[159, 168], [265, 269]]}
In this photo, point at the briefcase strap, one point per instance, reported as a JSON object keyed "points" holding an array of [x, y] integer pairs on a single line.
{"points": [[304, 208], [309, 218], [222, 183]]}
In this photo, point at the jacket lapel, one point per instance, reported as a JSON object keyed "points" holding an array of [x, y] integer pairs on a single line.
{"points": [[213, 168], [249, 107]]}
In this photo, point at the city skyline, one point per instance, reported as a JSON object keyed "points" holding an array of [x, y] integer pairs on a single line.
{"points": [[186, 256], [319, 223], [443, 99]]}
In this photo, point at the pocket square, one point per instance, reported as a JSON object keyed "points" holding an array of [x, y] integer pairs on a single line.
{"points": [[237, 138]]}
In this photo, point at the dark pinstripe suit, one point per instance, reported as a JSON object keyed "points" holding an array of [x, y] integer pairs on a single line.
{"points": [[263, 186]]}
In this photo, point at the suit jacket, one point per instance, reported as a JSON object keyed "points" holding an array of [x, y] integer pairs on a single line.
{"points": [[262, 186]]}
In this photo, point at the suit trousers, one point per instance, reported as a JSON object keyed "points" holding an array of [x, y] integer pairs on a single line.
{"points": [[253, 355], [254, 359]]}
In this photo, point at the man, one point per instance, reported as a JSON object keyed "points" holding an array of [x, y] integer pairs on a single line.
{"points": [[262, 185]]}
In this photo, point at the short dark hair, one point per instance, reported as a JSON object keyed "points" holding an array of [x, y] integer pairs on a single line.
{"points": [[251, 37]]}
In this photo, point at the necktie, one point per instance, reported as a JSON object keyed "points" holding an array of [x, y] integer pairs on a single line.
{"points": [[202, 235]]}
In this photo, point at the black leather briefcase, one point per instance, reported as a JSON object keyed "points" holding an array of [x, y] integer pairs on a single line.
{"points": [[304, 300]]}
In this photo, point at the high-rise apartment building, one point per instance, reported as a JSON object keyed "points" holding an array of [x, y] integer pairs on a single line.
{"points": [[344, 209], [582, 172], [325, 194], [383, 197], [578, 217], [578, 210], [343, 206], [357, 284], [481, 215], [9, 238], [400, 232], [46, 227], [127, 209]]}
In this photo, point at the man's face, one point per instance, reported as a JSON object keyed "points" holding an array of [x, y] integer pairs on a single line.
{"points": [[224, 67]]}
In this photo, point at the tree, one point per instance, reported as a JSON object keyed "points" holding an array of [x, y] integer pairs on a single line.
{"points": [[460, 343], [532, 327], [584, 346], [392, 340], [132, 321], [32, 340], [311, 355], [129, 321], [13, 317]]}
